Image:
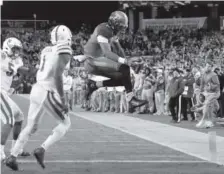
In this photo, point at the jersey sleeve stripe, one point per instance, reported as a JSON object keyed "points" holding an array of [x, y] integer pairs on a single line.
{"points": [[64, 51]]}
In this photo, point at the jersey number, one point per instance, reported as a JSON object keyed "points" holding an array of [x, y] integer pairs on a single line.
{"points": [[11, 71], [42, 64]]}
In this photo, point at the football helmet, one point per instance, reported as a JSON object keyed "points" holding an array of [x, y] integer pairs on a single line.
{"points": [[13, 47], [61, 34], [118, 21]]}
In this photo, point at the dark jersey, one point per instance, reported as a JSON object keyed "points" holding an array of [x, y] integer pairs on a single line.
{"points": [[92, 47]]}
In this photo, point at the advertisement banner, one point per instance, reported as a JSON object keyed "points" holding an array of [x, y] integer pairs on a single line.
{"points": [[28, 24], [174, 23]]}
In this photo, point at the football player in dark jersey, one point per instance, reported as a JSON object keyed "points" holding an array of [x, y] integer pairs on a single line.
{"points": [[101, 60]]}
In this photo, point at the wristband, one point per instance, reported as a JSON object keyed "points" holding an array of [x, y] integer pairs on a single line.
{"points": [[121, 60]]}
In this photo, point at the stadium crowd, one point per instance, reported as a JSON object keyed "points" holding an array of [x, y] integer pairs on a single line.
{"points": [[165, 55]]}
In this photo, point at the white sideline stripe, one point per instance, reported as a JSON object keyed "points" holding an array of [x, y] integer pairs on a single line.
{"points": [[187, 141], [115, 161], [122, 142]]}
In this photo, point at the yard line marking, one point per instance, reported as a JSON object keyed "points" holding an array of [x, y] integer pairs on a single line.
{"points": [[116, 161]]}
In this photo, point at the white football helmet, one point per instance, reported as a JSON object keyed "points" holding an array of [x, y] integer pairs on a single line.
{"points": [[12, 46], [61, 34]]}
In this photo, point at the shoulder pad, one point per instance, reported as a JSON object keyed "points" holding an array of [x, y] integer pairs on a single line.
{"points": [[105, 31], [63, 48]]}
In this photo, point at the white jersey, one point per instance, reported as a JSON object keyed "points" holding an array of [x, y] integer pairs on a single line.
{"points": [[46, 75], [9, 69]]}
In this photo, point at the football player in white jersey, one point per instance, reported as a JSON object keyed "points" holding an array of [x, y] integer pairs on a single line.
{"points": [[11, 115], [47, 96]]}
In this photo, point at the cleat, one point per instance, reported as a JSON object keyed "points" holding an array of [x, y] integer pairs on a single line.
{"points": [[91, 87], [24, 154], [12, 163], [39, 155], [135, 102]]}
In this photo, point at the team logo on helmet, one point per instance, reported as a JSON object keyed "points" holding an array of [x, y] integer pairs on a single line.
{"points": [[118, 21]]}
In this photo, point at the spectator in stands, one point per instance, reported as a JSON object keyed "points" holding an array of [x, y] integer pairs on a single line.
{"points": [[147, 91], [175, 90], [210, 87], [187, 95], [160, 92]]}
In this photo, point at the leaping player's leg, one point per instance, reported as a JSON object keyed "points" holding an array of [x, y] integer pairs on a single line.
{"points": [[7, 120], [119, 75], [54, 108]]}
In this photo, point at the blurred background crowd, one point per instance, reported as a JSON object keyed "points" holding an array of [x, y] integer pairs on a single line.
{"points": [[161, 52], [180, 52]]}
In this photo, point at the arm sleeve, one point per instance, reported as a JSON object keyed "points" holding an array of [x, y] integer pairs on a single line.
{"points": [[64, 48]]}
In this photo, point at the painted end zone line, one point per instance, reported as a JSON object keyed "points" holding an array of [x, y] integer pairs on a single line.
{"points": [[116, 161]]}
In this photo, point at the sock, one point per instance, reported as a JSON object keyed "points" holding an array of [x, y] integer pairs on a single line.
{"points": [[56, 136], [21, 142], [13, 144]]}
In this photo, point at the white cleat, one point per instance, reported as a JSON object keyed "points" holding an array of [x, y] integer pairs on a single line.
{"points": [[209, 124], [200, 124]]}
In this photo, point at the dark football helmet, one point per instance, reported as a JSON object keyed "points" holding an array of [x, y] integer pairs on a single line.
{"points": [[118, 21]]}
